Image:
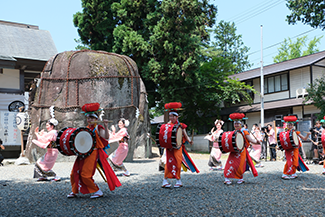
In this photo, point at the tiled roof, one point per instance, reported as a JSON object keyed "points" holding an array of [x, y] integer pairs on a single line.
{"points": [[282, 66], [25, 42]]}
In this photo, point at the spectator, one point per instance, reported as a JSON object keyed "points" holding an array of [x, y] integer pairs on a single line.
{"points": [[316, 133], [1, 157], [245, 128], [272, 142]]}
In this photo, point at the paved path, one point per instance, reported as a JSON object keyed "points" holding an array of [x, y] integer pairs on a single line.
{"points": [[203, 194]]}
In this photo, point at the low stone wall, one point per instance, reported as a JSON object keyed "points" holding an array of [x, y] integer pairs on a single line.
{"points": [[199, 144], [202, 145]]}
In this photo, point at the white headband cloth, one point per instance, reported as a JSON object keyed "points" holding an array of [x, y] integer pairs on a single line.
{"points": [[237, 122], [92, 115], [173, 113]]}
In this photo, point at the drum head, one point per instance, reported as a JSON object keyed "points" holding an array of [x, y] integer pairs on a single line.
{"points": [[83, 142], [295, 138], [179, 137], [239, 141]]}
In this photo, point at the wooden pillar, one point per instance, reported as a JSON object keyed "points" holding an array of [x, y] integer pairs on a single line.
{"points": [[166, 117]]}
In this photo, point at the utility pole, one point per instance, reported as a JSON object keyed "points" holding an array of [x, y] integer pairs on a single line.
{"points": [[262, 81]]}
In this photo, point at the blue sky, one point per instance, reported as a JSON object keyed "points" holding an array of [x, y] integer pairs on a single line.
{"points": [[249, 15]]}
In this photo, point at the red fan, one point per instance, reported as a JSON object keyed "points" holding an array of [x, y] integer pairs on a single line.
{"points": [[90, 107], [290, 118], [173, 105], [236, 116]]}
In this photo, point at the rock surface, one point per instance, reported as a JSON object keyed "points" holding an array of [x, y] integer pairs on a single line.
{"points": [[71, 79]]}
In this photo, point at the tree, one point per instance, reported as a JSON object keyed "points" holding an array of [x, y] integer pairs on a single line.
{"points": [[291, 50], [165, 39], [212, 87], [80, 45], [316, 93], [96, 24], [231, 45], [310, 12]]}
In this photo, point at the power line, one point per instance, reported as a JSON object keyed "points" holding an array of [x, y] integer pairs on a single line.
{"points": [[253, 61], [262, 11], [254, 11], [247, 11], [281, 42]]}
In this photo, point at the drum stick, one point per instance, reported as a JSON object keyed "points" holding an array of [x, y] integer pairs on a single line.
{"points": [[100, 171], [192, 135], [315, 143], [152, 139], [314, 130], [100, 122]]}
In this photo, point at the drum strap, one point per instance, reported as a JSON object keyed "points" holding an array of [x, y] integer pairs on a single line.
{"points": [[95, 129]]}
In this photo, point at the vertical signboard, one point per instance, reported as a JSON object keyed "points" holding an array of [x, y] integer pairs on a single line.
{"points": [[9, 132]]}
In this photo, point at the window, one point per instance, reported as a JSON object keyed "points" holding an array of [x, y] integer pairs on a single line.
{"points": [[251, 94], [270, 84], [276, 83], [284, 82]]}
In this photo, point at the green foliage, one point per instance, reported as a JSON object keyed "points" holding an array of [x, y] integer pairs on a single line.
{"points": [[316, 93], [96, 24], [231, 46], [80, 45], [165, 39], [291, 50], [212, 88], [310, 12], [312, 46]]}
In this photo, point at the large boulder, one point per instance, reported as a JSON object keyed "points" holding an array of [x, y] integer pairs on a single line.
{"points": [[71, 79]]}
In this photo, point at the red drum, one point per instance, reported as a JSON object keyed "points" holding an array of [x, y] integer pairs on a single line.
{"points": [[231, 141], [76, 141], [169, 136], [288, 140]]}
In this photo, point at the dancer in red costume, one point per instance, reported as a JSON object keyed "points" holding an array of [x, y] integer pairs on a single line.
{"points": [[176, 157], [238, 163], [84, 168], [294, 160]]}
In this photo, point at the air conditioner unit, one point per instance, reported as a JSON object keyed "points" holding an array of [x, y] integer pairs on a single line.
{"points": [[301, 92]]}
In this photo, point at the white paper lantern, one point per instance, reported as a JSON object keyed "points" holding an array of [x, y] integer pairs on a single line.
{"points": [[22, 121]]}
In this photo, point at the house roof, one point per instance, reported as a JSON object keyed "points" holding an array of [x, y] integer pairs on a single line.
{"points": [[25, 42], [282, 66]]}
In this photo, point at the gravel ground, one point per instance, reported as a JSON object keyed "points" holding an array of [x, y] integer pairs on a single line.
{"points": [[203, 194]]}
